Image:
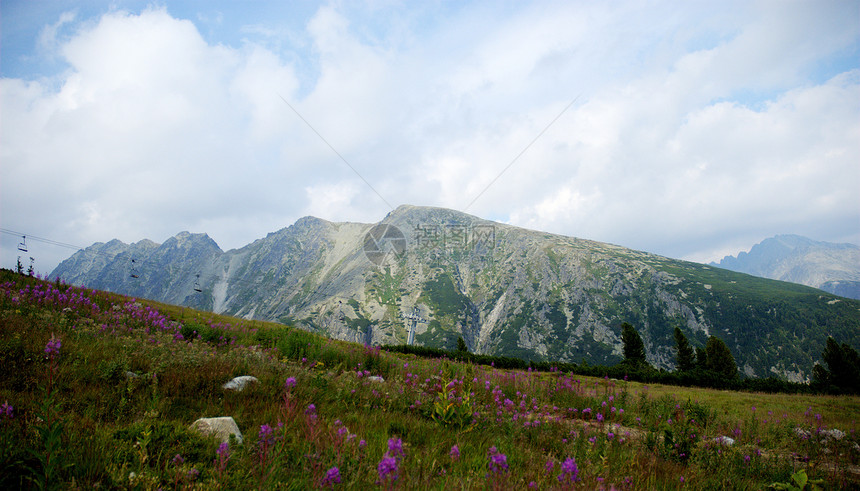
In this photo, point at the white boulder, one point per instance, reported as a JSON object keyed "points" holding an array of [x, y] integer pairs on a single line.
{"points": [[833, 433], [724, 440], [221, 428], [238, 384]]}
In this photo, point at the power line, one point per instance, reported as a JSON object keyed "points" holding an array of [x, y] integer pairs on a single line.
{"points": [[336, 152], [138, 263], [40, 239], [524, 150], [77, 248]]}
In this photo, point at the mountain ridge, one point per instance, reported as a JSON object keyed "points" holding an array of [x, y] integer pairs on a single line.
{"points": [[505, 290], [832, 267]]}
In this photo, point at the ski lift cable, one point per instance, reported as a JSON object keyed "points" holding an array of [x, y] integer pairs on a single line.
{"points": [[40, 239], [140, 263], [137, 261], [62, 244]]}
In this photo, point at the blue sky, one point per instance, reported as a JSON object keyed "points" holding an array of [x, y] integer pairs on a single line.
{"points": [[696, 129]]}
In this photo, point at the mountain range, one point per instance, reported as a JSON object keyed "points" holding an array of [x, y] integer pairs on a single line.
{"points": [[431, 275], [834, 268]]}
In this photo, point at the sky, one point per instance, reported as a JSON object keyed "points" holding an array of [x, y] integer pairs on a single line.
{"points": [[688, 129]]}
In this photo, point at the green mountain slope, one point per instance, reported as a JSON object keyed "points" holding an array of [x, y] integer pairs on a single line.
{"points": [[504, 290]]}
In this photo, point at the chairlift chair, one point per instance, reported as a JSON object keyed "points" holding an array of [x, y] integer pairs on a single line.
{"points": [[134, 273], [197, 287], [23, 245]]}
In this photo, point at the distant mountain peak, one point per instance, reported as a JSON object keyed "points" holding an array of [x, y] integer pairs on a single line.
{"points": [[829, 266], [309, 221]]}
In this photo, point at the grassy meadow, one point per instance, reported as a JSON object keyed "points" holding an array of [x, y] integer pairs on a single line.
{"points": [[99, 391]]}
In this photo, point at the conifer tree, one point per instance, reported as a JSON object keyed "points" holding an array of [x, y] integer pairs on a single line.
{"points": [[701, 358], [720, 359], [843, 368], [634, 348], [686, 356]]}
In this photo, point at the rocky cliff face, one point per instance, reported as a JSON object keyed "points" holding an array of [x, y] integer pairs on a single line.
{"points": [[505, 290], [834, 268]]}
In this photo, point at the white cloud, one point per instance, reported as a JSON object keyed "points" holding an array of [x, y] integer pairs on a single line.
{"points": [[48, 35], [149, 131], [330, 198], [697, 127]]}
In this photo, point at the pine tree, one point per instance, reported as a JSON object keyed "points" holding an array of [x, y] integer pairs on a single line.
{"points": [[843, 368], [686, 356], [634, 348], [701, 358], [720, 359], [461, 345]]}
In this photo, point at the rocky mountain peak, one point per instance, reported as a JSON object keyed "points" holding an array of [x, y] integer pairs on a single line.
{"points": [[504, 290], [832, 267]]}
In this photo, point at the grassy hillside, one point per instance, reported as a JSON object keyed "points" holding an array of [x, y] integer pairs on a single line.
{"points": [[100, 390]]}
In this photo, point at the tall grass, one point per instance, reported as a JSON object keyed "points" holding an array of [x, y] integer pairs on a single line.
{"points": [[129, 378]]}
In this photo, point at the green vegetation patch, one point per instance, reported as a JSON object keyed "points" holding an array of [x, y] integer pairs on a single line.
{"points": [[109, 388]]}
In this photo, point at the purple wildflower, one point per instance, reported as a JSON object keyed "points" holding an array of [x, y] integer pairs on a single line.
{"points": [[52, 349], [222, 456], [395, 447], [177, 460], [332, 477], [569, 471], [312, 409], [290, 383], [387, 467], [7, 410], [498, 463], [455, 452], [266, 435]]}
